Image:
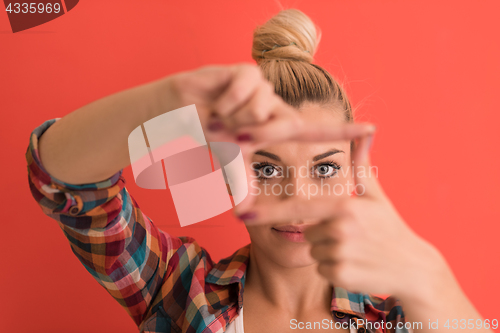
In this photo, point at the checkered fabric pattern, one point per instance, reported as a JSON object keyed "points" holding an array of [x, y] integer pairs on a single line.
{"points": [[165, 283]]}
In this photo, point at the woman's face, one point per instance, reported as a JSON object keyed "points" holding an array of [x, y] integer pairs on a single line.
{"points": [[291, 169]]}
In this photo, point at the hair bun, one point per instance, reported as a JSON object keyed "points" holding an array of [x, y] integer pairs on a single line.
{"points": [[289, 35]]}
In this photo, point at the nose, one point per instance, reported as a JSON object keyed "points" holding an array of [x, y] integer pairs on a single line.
{"points": [[300, 186], [303, 221]]}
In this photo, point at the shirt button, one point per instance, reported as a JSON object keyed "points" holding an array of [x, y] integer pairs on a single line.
{"points": [[361, 330], [73, 210], [339, 315]]}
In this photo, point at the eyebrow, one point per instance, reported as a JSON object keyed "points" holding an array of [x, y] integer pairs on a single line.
{"points": [[328, 153], [268, 154], [315, 158]]}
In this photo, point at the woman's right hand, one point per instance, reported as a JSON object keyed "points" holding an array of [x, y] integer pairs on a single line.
{"points": [[229, 98], [238, 104]]}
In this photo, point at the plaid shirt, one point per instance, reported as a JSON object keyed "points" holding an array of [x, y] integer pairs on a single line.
{"points": [[165, 283]]}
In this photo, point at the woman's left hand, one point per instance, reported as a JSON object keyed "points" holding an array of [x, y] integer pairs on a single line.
{"points": [[362, 243]]}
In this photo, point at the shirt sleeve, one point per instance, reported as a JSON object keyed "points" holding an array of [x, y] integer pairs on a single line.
{"points": [[388, 312], [108, 233]]}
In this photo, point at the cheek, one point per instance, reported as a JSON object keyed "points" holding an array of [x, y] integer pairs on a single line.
{"points": [[271, 192], [258, 232]]}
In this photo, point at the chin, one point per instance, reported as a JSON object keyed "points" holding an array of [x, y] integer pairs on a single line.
{"points": [[295, 256], [281, 251]]}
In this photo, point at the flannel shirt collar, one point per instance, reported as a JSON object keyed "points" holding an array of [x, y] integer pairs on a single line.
{"points": [[232, 270]]}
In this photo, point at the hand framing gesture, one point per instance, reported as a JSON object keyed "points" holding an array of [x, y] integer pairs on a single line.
{"points": [[361, 243]]}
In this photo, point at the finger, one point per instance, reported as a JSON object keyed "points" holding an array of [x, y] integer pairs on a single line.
{"points": [[326, 251], [258, 109], [245, 80], [211, 79], [247, 151], [292, 127], [364, 174], [293, 208], [336, 229], [328, 268], [221, 135]]}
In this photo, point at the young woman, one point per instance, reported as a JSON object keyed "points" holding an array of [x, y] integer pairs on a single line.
{"points": [[323, 236]]}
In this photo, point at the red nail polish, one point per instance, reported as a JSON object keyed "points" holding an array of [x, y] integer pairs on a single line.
{"points": [[247, 216], [244, 137], [216, 126]]}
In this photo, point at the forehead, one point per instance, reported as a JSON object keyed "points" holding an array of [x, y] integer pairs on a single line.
{"points": [[329, 114], [293, 150]]}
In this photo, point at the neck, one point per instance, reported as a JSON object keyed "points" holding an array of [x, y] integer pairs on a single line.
{"points": [[292, 290]]}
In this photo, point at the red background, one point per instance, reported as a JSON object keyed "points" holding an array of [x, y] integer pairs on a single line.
{"points": [[426, 73]]}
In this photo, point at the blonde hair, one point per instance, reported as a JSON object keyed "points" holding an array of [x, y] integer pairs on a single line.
{"points": [[284, 49]]}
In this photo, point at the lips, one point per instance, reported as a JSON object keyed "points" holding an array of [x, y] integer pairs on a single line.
{"points": [[291, 228], [291, 233]]}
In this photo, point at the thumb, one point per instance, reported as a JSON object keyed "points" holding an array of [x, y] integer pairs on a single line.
{"points": [[364, 174]]}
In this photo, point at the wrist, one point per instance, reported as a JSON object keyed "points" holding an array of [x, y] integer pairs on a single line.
{"points": [[434, 292], [429, 275], [164, 97]]}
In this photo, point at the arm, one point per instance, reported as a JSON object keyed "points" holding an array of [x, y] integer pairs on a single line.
{"points": [[99, 132], [74, 173], [362, 243], [110, 235], [439, 297], [107, 230]]}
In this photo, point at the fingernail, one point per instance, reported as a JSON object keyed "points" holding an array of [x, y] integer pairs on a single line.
{"points": [[216, 126], [247, 216], [244, 137]]}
